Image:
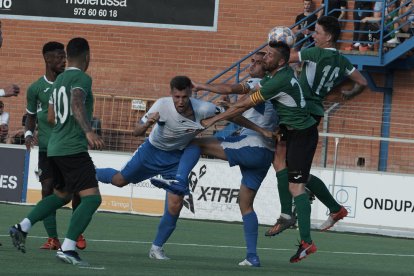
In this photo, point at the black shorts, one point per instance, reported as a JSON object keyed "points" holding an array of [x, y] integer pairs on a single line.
{"points": [[317, 119], [44, 166], [301, 146], [74, 173]]}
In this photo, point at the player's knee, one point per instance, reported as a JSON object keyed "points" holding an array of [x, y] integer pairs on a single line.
{"points": [[47, 187], [175, 203]]}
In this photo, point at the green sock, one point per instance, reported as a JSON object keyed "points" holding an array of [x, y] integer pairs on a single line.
{"points": [[45, 207], [303, 210], [284, 195], [83, 215], [316, 186], [50, 225]]}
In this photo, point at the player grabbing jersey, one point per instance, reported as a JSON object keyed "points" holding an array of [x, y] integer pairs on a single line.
{"points": [[176, 121]]}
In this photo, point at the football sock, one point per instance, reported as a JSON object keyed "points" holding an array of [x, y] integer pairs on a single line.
{"points": [[105, 175], [250, 226], [165, 228], [284, 194], [25, 225], [316, 186], [45, 207], [50, 225], [188, 160], [82, 216], [68, 244], [303, 209]]}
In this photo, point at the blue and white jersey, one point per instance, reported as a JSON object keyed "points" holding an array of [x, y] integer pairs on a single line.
{"points": [[263, 115], [174, 131]]}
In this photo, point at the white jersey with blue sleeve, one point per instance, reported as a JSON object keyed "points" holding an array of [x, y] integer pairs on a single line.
{"points": [[174, 131]]}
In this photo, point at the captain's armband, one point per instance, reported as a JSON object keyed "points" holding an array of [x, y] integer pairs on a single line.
{"points": [[257, 97]]}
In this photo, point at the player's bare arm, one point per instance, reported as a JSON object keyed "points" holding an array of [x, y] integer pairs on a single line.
{"points": [[142, 127], [9, 91], [237, 109], [30, 126], [244, 122], [359, 86], [79, 112], [51, 114], [223, 88]]}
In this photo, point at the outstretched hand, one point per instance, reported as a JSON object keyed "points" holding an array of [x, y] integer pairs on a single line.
{"points": [[153, 118], [95, 141], [206, 123], [196, 86], [11, 90]]}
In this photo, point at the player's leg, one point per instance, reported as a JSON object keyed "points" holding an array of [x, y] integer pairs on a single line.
{"points": [[79, 171], [252, 179], [43, 209], [47, 181], [81, 241], [168, 222], [301, 147], [287, 219], [250, 225], [189, 158], [319, 189], [254, 162], [134, 170], [337, 212]]}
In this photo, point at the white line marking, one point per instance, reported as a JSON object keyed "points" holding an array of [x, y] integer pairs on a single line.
{"points": [[93, 267], [242, 247]]}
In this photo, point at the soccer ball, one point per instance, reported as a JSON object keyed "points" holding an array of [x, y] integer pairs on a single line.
{"points": [[281, 34]]}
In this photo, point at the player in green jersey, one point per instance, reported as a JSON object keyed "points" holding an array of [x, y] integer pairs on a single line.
{"points": [[297, 126], [72, 105], [38, 95], [324, 67]]}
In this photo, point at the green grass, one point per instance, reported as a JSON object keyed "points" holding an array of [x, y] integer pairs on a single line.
{"points": [[119, 243]]}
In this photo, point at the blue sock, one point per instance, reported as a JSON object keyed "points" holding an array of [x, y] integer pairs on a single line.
{"points": [[105, 175], [166, 227], [188, 160], [250, 226]]}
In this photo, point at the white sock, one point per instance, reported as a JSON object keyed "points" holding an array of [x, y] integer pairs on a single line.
{"points": [[357, 44], [285, 216], [68, 245], [25, 224], [155, 247]]}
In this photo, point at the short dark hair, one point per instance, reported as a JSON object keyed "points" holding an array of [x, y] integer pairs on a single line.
{"points": [[283, 49], [77, 47], [330, 25], [180, 83], [52, 46]]}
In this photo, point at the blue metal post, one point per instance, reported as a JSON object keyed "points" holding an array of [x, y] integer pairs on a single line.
{"points": [[25, 176], [386, 122]]}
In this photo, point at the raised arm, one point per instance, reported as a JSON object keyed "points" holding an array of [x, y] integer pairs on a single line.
{"points": [[237, 109], [9, 91], [224, 88], [244, 122], [359, 86], [79, 112]]}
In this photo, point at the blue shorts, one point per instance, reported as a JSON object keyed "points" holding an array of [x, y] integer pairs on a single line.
{"points": [[254, 161], [149, 161]]}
